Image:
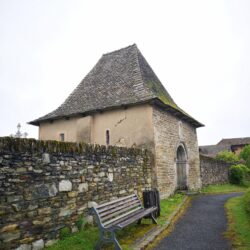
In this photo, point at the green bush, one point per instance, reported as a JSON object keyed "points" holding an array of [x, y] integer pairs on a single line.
{"points": [[247, 173], [65, 232], [228, 157], [245, 155], [246, 199], [238, 174], [81, 222]]}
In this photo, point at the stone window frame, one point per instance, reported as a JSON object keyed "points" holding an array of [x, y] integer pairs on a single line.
{"points": [[180, 130]]}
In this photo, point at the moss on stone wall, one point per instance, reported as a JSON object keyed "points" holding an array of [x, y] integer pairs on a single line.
{"points": [[39, 146]]}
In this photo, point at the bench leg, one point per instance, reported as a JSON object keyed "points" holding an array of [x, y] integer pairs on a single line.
{"points": [[117, 245], [99, 242], [98, 245], [139, 222], [153, 219]]}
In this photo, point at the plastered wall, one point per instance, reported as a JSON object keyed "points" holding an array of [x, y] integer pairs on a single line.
{"points": [[130, 127]]}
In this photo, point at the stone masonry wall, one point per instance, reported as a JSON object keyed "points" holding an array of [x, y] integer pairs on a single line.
{"points": [[213, 171], [169, 133], [45, 186]]}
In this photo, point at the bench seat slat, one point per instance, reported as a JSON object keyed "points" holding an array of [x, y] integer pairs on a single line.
{"points": [[115, 201], [124, 218], [102, 213], [108, 207], [121, 216], [137, 217], [119, 212]]}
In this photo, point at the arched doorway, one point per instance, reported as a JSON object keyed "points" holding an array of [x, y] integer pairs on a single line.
{"points": [[181, 165]]}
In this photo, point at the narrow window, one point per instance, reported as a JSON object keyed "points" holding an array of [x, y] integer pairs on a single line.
{"points": [[62, 137], [107, 137], [180, 130]]}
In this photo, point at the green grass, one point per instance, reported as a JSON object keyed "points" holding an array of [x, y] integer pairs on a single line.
{"points": [[223, 188], [86, 239], [168, 206], [239, 224]]}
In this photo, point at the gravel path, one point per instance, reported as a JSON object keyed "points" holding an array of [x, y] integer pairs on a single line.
{"points": [[201, 227]]}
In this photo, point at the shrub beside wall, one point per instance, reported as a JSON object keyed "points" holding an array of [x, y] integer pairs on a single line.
{"points": [[246, 199], [46, 186], [238, 174]]}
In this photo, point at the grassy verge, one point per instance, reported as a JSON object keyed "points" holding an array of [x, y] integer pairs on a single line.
{"points": [[239, 224], [84, 239], [223, 188], [87, 238], [168, 206]]}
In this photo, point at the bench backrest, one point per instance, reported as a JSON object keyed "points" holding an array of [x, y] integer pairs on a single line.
{"points": [[113, 212]]}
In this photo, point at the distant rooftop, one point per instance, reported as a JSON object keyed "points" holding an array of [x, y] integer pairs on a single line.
{"points": [[224, 145], [235, 141], [120, 78]]}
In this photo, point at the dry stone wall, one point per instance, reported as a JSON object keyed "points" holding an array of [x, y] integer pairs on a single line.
{"points": [[214, 171], [45, 186]]}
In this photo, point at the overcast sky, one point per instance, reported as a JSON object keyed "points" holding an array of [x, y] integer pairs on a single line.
{"points": [[199, 50]]}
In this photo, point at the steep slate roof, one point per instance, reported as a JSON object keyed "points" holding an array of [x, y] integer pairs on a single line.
{"points": [[120, 78], [224, 145]]}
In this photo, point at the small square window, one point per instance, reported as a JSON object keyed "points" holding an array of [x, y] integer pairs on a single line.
{"points": [[62, 137]]}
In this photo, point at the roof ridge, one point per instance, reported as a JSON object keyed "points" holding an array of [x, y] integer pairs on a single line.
{"points": [[158, 90], [118, 50], [232, 138], [139, 66]]}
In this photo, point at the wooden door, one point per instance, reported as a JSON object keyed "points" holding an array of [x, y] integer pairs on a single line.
{"points": [[181, 175], [181, 163]]}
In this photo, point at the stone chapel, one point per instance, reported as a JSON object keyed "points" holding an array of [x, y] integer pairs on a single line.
{"points": [[122, 102]]}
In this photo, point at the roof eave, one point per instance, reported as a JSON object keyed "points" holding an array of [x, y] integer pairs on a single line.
{"points": [[154, 101], [86, 113], [33, 123], [177, 113]]}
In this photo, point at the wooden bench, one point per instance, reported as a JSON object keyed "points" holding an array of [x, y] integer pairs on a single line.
{"points": [[117, 214]]}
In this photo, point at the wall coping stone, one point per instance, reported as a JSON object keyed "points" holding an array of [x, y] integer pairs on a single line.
{"points": [[41, 146]]}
